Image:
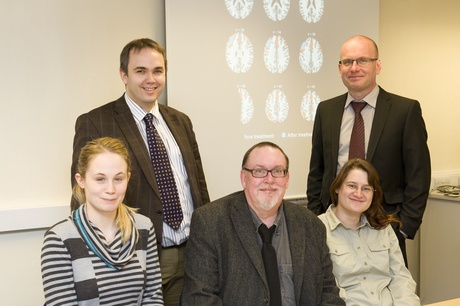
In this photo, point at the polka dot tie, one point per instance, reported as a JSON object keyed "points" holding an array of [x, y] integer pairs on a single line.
{"points": [[172, 212], [357, 140]]}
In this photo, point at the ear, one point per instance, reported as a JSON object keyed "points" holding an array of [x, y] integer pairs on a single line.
{"points": [[379, 66], [123, 76], [243, 179], [80, 180], [129, 176]]}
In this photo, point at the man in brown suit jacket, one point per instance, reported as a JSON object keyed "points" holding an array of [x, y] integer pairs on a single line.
{"points": [[143, 68]]}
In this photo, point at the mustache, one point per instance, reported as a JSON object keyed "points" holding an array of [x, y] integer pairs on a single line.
{"points": [[272, 187]]}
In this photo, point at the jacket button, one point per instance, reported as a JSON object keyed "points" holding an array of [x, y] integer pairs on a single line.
{"points": [[159, 212]]}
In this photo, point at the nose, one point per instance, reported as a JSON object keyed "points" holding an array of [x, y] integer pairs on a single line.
{"points": [[354, 65], [150, 78], [358, 192], [269, 177], [110, 188]]}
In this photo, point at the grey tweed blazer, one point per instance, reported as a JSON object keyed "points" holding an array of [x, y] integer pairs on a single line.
{"points": [[223, 262]]}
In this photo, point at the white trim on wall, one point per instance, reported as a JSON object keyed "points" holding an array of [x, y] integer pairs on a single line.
{"points": [[32, 218]]}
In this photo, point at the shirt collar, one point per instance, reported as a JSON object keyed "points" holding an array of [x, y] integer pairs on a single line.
{"points": [[138, 112], [334, 222], [258, 222], [370, 99]]}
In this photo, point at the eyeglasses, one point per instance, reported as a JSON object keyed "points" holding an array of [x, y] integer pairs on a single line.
{"points": [[364, 189], [361, 62], [259, 173]]}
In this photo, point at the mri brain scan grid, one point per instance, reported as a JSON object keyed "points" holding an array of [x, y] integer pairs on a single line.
{"points": [[277, 56]]}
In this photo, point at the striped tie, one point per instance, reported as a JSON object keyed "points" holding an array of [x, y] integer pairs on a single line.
{"points": [[357, 142], [172, 212]]}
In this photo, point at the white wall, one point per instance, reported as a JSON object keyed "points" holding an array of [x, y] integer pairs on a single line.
{"points": [[59, 59], [20, 280], [420, 49]]}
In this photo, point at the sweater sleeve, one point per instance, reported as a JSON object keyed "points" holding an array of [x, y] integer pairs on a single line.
{"points": [[57, 273], [153, 291]]}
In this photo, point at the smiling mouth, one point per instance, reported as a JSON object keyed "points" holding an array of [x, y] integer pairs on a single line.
{"points": [[268, 189], [110, 200]]}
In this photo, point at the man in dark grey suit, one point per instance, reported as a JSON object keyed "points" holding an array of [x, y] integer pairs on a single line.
{"points": [[395, 140], [143, 68], [223, 260]]}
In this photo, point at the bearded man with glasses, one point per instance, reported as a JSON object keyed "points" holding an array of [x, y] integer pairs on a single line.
{"points": [[253, 248], [393, 138]]}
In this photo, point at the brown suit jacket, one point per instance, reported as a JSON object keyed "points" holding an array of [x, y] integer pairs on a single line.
{"points": [[115, 120]]}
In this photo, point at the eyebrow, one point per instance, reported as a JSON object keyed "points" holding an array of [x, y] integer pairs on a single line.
{"points": [[353, 182], [265, 167], [145, 68]]}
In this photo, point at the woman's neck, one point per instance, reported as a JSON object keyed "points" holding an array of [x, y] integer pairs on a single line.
{"points": [[347, 219]]}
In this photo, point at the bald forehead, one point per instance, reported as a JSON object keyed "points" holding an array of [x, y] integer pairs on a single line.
{"points": [[359, 42]]}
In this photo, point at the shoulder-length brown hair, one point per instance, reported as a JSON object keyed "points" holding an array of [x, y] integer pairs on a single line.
{"points": [[375, 214]]}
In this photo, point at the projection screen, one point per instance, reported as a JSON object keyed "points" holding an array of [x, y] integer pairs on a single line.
{"points": [[248, 71]]}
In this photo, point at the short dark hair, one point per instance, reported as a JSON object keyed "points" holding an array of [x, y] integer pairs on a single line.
{"points": [[137, 45], [260, 145]]}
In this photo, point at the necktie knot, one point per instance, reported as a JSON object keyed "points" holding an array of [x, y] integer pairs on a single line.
{"points": [[266, 233], [358, 106], [148, 118]]}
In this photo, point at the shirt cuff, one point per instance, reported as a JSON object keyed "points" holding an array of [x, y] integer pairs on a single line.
{"points": [[404, 234]]}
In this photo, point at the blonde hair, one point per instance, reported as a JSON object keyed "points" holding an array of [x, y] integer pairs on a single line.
{"points": [[87, 154]]}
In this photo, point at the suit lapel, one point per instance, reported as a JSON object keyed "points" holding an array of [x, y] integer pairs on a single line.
{"points": [[242, 221], [382, 111], [177, 131], [336, 124], [128, 127], [181, 136]]}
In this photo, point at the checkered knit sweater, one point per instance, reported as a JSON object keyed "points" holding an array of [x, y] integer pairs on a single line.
{"points": [[73, 275]]}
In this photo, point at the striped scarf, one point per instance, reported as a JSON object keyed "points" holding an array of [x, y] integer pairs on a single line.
{"points": [[115, 255]]}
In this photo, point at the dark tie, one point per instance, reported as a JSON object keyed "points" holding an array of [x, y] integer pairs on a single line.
{"points": [[357, 142], [172, 212], [270, 264]]}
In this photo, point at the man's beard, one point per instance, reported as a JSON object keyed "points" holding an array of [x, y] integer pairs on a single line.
{"points": [[267, 204]]}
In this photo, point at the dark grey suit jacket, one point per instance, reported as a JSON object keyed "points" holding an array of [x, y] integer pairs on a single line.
{"points": [[116, 120], [224, 266], [397, 148]]}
